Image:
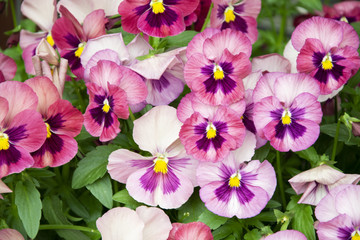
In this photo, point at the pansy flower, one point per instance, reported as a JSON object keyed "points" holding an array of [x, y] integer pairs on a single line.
{"points": [[111, 89], [339, 214], [63, 122], [7, 68], [4, 189], [286, 110], [286, 235], [167, 177], [71, 37], [214, 71], [10, 234], [325, 49], [22, 129], [190, 231], [157, 18], [145, 223], [347, 11], [237, 15], [235, 187]]}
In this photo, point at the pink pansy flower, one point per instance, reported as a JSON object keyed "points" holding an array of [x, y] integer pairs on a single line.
{"points": [[237, 15], [286, 235], [165, 81], [347, 11], [317, 182], [325, 49], [190, 231], [339, 214], [63, 122], [167, 178], [71, 37], [214, 71], [43, 13], [111, 89], [286, 110], [10, 234], [235, 187], [145, 223], [22, 129], [157, 18], [211, 137], [4, 189], [7, 68]]}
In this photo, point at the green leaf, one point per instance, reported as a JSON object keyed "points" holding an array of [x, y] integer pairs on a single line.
{"points": [[212, 220], [74, 203], [27, 200], [40, 173], [102, 190], [231, 227], [253, 235], [180, 40], [192, 209], [330, 129], [311, 5], [53, 213], [261, 153], [92, 166], [124, 197], [311, 155], [303, 220]]}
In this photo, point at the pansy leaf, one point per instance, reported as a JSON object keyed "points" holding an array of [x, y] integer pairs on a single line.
{"points": [[212, 220], [124, 197], [102, 190]]}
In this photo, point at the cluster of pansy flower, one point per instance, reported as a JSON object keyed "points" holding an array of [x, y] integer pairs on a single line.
{"points": [[235, 106]]}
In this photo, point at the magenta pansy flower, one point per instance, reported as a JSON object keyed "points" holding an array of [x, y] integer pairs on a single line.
{"points": [[317, 182], [286, 110], [71, 37], [215, 69], [167, 178], [22, 129], [111, 89], [7, 68], [235, 187], [157, 18], [190, 231], [325, 49], [237, 15], [63, 122], [347, 11], [339, 214], [286, 235], [145, 223]]}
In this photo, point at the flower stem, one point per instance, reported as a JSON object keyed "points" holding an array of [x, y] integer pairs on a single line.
{"points": [[13, 13], [280, 180], [206, 22], [68, 227], [335, 141], [77, 91]]}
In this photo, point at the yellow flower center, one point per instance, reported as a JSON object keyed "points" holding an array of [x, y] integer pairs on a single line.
{"points": [[229, 14], [4, 141], [106, 107], [210, 131], [161, 164], [80, 49], [50, 40], [355, 235], [218, 72], [234, 180], [327, 62], [48, 130], [157, 6], [286, 117], [344, 19]]}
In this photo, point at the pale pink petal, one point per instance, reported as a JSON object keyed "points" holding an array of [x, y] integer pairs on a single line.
{"points": [[330, 230], [265, 86], [208, 172], [196, 44], [271, 63], [42, 12], [94, 24], [286, 235], [105, 54], [46, 52], [313, 193], [350, 38], [46, 92], [346, 202], [157, 223], [245, 152], [291, 54], [328, 31], [7, 67], [120, 221], [27, 56], [137, 47], [194, 230], [10, 234], [157, 129], [312, 108], [29, 38], [106, 72], [185, 107]]}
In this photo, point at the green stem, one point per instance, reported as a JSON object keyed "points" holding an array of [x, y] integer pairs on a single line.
{"points": [[66, 172], [336, 109], [132, 117], [13, 13], [207, 18], [280, 180], [116, 189], [68, 227], [335, 141], [282, 28], [77, 90]]}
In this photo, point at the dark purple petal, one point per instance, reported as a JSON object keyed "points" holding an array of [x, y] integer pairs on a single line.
{"points": [[249, 124], [239, 9], [204, 143], [238, 24], [170, 182], [72, 40], [226, 172], [221, 11], [168, 18], [99, 115], [9, 156], [178, 163], [141, 163], [345, 233], [226, 85], [277, 114], [150, 180], [295, 130], [297, 113], [322, 75], [16, 133], [54, 144], [141, 9], [56, 122], [171, 2], [161, 84], [74, 61]]}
